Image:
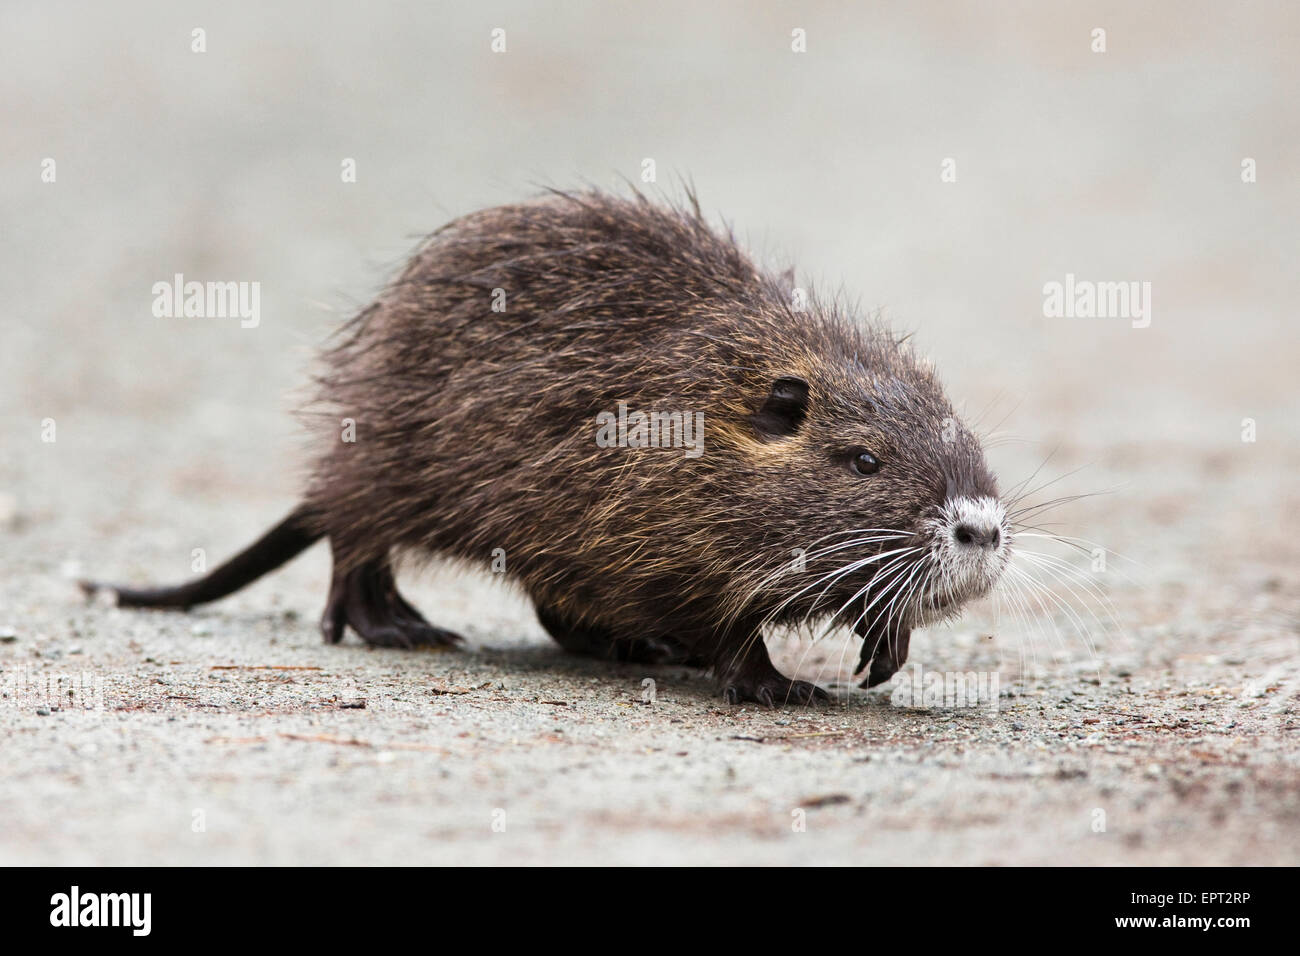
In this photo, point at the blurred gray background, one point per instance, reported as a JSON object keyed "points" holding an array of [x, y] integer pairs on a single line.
{"points": [[225, 165]]}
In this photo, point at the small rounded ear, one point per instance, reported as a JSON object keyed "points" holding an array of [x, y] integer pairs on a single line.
{"points": [[784, 409]]}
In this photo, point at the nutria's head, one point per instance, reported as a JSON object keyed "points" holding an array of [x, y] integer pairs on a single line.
{"points": [[888, 516]]}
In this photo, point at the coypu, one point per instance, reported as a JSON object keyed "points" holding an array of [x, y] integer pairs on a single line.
{"points": [[836, 482]]}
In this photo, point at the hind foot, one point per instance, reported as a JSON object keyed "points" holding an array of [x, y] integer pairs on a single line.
{"points": [[366, 599]]}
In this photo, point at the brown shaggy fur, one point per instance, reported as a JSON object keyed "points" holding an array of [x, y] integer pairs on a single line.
{"points": [[476, 431]]}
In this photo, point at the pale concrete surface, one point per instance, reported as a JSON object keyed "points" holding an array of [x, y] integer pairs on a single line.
{"points": [[1176, 729]]}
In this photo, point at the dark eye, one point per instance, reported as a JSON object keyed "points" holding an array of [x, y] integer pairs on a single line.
{"points": [[863, 462]]}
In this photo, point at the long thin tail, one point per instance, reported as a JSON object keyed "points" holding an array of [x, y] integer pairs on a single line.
{"points": [[290, 537]]}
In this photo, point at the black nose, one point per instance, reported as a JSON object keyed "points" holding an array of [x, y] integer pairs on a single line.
{"points": [[972, 537]]}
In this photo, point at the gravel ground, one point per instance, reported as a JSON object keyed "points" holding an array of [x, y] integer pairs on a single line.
{"points": [[1158, 726]]}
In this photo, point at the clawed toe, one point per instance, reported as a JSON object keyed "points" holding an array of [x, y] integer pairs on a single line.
{"points": [[881, 669], [773, 692], [409, 635], [366, 599], [803, 692]]}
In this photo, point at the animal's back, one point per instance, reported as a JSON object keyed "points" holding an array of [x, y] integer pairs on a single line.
{"points": [[475, 381]]}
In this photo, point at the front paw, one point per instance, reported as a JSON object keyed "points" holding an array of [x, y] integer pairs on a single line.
{"points": [[884, 651], [882, 668], [774, 691]]}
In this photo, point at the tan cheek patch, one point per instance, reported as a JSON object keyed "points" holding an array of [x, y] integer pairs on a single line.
{"points": [[735, 431]]}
